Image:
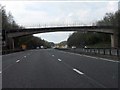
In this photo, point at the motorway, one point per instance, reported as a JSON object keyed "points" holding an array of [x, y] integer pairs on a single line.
{"points": [[50, 68]]}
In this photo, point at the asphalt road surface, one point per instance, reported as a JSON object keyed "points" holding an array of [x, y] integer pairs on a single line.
{"points": [[50, 68]]}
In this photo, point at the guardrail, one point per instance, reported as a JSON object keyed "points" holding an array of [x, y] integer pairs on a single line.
{"points": [[100, 51]]}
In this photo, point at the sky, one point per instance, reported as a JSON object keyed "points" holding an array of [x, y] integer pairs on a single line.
{"points": [[54, 13]]}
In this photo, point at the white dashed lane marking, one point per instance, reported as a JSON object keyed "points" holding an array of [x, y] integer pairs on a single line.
{"points": [[79, 72], [18, 61], [0, 72], [59, 60]]}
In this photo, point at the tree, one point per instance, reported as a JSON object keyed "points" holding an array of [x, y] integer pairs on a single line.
{"points": [[112, 19], [31, 42], [8, 21], [79, 39]]}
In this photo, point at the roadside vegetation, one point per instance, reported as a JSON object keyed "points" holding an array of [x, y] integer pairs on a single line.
{"points": [[98, 40], [30, 41]]}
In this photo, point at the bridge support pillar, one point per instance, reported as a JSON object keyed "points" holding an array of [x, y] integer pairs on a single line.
{"points": [[10, 43], [114, 40]]}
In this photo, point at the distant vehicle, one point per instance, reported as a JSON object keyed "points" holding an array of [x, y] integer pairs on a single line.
{"points": [[85, 46], [41, 47], [23, 47], [37, 47], [73, 47]]}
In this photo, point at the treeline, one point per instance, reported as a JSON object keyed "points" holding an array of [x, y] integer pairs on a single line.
{"points": [[30, 41], [61, 44], [79, 39], [110, 19], [8, 21]]}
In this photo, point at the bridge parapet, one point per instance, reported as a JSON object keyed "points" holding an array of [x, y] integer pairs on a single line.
{"points": [[27, 31]]}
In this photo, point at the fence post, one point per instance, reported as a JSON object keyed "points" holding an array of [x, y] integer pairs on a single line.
{"points": [[118, 52], [110, 51], [94, 51], [103, 51], [99, 51], [90, 50]]}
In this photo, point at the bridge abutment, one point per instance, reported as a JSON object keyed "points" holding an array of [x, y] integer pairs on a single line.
{"points": [[10, 43], [114, 40]]}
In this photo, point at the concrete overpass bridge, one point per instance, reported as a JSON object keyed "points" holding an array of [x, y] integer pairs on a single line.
{"points": [[11, 34]]}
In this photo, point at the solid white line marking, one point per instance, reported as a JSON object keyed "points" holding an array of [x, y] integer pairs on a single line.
{"points": [[18, 61], [59, 60], [100, 58], [79, 72], [71, 53], [108, 60], [53, 55], [92, 57], [74, 53]]}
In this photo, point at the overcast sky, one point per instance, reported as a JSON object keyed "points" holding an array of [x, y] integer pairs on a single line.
{"points": [[38, 13]]}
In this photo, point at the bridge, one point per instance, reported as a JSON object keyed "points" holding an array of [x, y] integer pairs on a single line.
{"points": [[11, 34]]}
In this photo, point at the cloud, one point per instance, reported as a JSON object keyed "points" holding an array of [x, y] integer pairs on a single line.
{"points": [[32, 13], [112, 6]]}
